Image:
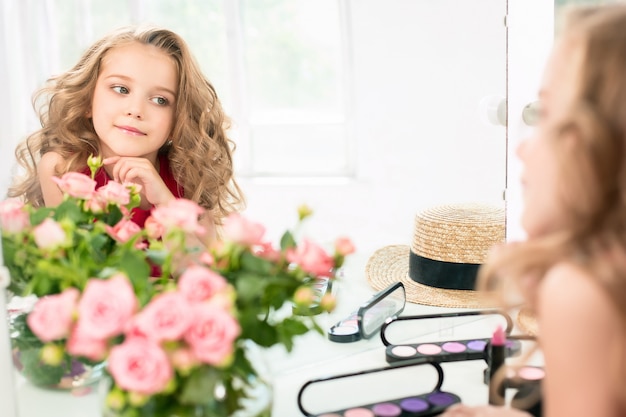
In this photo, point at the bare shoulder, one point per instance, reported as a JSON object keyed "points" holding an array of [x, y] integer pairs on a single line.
{"points": [[568, 290], [46, 169], [48, 163], [576, 311]]}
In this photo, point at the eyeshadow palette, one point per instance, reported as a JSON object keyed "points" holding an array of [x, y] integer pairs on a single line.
{"points": [[432, 403], [527, 381], [458, 350], [371, 315], [429, 404]]}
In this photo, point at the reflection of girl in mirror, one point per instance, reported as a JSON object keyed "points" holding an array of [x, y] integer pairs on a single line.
{"points": [[572, 268], [138, 99]]}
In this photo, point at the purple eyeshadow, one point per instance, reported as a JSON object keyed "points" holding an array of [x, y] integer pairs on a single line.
{"points": [[414, 405], [477, 345], [440, 398], [386, 410], [453, 347]]}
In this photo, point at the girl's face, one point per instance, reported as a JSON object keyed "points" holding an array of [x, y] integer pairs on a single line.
{"points": [[541, 179], [134, 100]]}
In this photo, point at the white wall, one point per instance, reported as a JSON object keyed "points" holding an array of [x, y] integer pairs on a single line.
{"points": [[421, 69]]}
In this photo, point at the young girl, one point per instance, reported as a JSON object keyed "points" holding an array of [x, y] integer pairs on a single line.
{"points": [[138, 99], [572, 268]]}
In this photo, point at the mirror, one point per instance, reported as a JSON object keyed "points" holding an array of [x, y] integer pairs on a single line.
{"points": [[418, 132]]}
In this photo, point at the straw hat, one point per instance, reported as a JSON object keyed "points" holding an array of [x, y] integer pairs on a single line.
{"points": [[439, 268]]}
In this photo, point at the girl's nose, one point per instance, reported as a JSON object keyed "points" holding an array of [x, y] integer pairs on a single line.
{"points": [[134, 110], [521, 148], [134, 113]]}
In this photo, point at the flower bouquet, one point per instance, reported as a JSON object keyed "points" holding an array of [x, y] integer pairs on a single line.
{"points": [[178, 342], [49, 250]]}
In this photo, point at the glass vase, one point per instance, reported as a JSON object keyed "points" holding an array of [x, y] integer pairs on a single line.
{"points": [[68, 373]]}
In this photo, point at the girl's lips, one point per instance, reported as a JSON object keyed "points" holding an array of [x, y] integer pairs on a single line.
{"points": [[131, 130]]}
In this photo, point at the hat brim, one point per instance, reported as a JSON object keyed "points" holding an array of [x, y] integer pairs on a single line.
{"points": [[391, 264]]}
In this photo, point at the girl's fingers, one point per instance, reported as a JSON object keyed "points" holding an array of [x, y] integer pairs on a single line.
{"points": [[110, 160]]}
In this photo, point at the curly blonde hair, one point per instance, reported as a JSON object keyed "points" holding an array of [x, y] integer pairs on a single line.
{"points": [[593, 172], [200, 152]]}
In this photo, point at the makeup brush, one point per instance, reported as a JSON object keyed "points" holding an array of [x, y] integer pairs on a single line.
{"points": [[497, 348]]}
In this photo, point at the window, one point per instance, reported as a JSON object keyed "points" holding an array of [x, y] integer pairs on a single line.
{"points": [[279, 67]]}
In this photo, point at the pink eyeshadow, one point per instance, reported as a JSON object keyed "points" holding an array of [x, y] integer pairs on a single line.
{"points": [[403, 351], [454, 347], [429, 349], [358, 412], [387, 410], [531, 374]]}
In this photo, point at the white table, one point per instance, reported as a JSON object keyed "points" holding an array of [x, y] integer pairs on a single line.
{"points": [[314, 356]]}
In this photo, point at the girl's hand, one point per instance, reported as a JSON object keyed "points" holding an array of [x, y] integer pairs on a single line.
{"points": [[460, 410], [140, 171]]}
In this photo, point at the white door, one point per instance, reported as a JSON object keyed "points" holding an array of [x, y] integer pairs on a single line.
{"points": [[530, 38]]}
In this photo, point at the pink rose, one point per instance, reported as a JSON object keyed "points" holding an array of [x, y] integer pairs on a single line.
{"points": [[166, 317], [311, 258], [80, 344], [95, 205], [198, 283], [154, 230], [344, 246], [49, 234], [123, 230], [206, 258], [76, 185], [13, 216], [179, 213], [140, 365], [106, 306], [265, 250], [52, 317], [212, 334], [240, 230], [183, 359], [114, 193], [224, 300]]}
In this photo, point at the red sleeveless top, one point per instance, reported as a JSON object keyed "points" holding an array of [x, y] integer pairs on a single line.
{"points": [[138, 215]]}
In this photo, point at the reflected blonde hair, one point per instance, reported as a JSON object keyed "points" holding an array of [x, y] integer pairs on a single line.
{"points": [[590, 146], [200, 153]]}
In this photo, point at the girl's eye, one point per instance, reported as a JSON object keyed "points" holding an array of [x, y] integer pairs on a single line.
{"points": [[120, 89], [161, 101]]}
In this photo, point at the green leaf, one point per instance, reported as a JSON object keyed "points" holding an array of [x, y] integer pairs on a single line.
{"points": [[37, 372], [249, 286], [40, 215], [261, 332], [70, 210], [287, 241], [134, 264], [250, 262], [198, 388], [288, 330], [21, 335]]}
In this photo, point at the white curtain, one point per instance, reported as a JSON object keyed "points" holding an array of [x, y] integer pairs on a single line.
{"points": [[29, 50]]}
